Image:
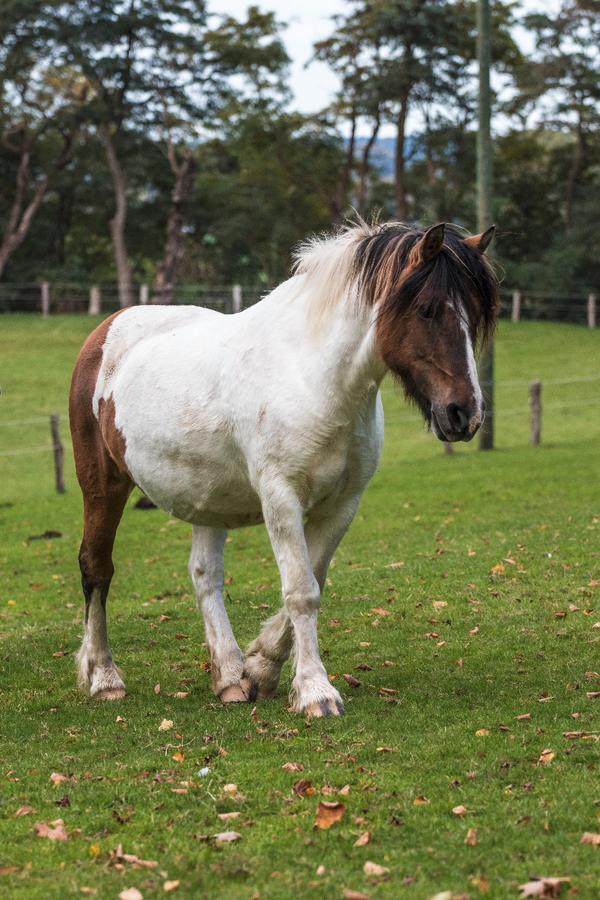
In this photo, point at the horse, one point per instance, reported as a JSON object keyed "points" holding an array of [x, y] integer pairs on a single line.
{"points": [[273, 415]]}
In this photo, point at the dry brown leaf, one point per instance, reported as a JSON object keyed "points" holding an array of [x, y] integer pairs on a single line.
{"points": [[592, 695], [227, 837], [24, 810], [471, 838], [120, 857], [421, 800], [385, 691], [131, 894], [228, 815], [380, 611], [54, 831], [374, 870], [590, 837], [543, 887], [482, 732], [351, 680], [157, 687], [170, 886], [303, 788], [292, 767], [178, 756], [363, 839], [460, 810], [546, 757], [231, 790], [498, 569], [523, 717], [165, 725], [328, 814], [354, 895], [384, 750], [439, 604]]}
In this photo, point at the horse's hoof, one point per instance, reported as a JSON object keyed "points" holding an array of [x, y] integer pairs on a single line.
{"points": [[111, 694], [243, 692], [330, 707]]}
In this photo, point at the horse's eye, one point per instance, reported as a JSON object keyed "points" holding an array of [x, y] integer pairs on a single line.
{"points": [[427, 312]]}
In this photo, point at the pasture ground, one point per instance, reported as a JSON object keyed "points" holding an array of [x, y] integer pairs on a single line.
{"points": [[465, 597]]}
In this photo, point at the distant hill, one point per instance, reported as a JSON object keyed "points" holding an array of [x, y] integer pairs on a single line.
{"points": [[383, 153]]}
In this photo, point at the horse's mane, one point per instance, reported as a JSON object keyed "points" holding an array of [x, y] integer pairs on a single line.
{"points": [[372, 263]]}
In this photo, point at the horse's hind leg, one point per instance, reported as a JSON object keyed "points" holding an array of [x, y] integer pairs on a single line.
{"points": [[103, 508], [207, 571]]}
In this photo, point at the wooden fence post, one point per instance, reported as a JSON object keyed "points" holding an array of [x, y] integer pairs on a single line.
{"points": [[59, 454], [236, 296], [45, 299], [535, 400], [95, 301], [516, 306], [591, 310], [144, 294]]}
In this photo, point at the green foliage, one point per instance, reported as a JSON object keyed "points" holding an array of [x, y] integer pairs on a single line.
{"points": [[429, 531]]}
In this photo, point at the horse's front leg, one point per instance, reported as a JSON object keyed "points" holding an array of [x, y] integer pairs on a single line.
{"points": [[207, 571], [311, 692]]}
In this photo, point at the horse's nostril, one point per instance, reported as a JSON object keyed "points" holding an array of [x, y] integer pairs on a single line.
{"points": [[458, 416]]}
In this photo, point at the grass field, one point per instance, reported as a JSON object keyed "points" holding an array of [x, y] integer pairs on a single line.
{"points": [[465, 600]]}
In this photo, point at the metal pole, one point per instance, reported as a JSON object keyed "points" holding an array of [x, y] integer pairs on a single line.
{"points": [[484, 200]]}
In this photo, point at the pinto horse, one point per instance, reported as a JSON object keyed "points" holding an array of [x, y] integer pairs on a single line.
{"points": [[273, 415]]}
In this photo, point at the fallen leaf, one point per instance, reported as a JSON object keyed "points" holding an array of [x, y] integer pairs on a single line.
{"points": [[374, 870], [227, 837], [303, 788], [482, 732], [165, 725], [380, 611], [24, 810], [157, 687], [546, 757], [384, 750], [363, 839], [523, 717], [439, 604], [178, 756], [543, 887], [57, 777], [228, 815], [131, 894], [119, 856], [421, 800], [592, 695], [354, 895], [170, 886], [498, 569], [292, 767], [328, 814], [590, 837], [231, 790], [460, 810], [385, 691], [471, 838], [54, 831], [351, 680]]}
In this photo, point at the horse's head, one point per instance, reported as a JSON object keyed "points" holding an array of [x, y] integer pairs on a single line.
{"points": [[435, 296]]}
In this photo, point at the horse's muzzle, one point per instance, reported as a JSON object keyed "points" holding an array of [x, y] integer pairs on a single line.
{"points": [[456, 422]]}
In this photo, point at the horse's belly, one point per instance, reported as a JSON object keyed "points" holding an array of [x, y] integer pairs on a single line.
{"points": [[204, 488]]}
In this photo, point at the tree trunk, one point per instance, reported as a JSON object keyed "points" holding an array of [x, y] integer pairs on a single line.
{"points": [[166, 277], [399, 169], [346, 174], [361, 191], [20, 218], [117, 224], [574, 172]]}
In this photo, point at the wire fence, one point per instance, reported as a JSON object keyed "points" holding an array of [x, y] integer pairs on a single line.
{"points": [[70, 297]]}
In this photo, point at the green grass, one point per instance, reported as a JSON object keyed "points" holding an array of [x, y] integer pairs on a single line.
{"points": [[430, 529]]}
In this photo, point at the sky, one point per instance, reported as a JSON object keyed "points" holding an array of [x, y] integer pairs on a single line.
{"points": [[314, 84]]}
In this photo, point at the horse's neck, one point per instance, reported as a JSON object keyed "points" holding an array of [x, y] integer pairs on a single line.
{"points": [[336, 345]]}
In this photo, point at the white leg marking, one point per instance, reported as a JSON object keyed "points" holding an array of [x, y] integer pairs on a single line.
{"points": [[311, 692], [97, 671], [207, 571]]}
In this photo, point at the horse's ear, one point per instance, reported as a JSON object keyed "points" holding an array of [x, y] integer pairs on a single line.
{"points": [[481, 241], [429, 245]]}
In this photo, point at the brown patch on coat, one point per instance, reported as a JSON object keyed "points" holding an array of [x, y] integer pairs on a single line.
{"points": [[105, 483], [114, 439]]}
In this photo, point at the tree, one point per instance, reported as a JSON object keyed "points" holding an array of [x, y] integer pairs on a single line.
{"points": [[37, 128]]}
